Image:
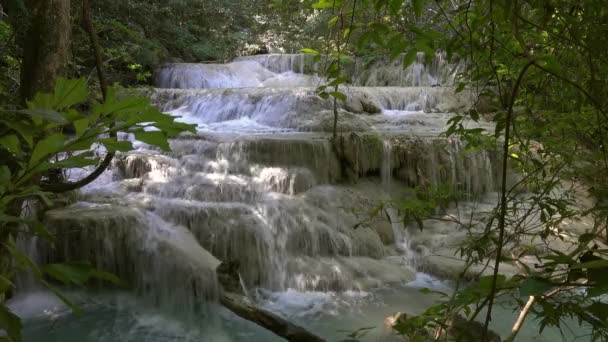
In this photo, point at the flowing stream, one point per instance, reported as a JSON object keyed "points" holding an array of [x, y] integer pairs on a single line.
{"points": [[261, 185]]}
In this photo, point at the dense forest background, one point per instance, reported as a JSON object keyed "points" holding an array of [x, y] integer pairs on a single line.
{"points": [[136, 36]]}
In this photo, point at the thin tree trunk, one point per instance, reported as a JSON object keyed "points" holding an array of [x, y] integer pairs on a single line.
{"points": [[503, 199]]}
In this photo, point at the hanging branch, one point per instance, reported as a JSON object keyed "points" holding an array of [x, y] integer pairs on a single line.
{"points": [[96, 50], [503, 196]]}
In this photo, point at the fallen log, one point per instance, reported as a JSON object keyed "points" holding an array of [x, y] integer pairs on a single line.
{"points": [[243, 308], [235, 300]]}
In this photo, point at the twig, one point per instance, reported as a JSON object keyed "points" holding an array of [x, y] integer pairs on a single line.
{"points": [[520, 320]]}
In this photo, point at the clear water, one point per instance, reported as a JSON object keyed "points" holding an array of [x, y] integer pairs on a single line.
{"points": [[119, 316]]}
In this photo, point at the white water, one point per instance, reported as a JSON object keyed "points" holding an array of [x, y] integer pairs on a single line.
{"points": [[258, 185]]}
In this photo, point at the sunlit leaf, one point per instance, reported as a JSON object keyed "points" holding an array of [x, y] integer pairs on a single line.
{"points": [[155, 138], [69, 92], [338, 95], [80, 126], [113, 145], [11, 143], [311, 51], [47, 147], [331, 22]]}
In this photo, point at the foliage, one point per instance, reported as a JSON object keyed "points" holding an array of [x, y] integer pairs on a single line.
{"points": [[9, 62], [540, 66], [52, 134], [148, 33]]}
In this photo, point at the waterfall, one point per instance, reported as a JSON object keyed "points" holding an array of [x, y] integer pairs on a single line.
{"points": [[261, 184]]}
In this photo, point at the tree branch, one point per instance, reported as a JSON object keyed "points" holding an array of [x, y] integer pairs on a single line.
{"points": [[520, 320]]}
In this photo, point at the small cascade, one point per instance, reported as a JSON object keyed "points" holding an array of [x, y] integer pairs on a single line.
{"points": [[439, 73], [160, 260], [387, 169], [268, 110], [281, 63]]}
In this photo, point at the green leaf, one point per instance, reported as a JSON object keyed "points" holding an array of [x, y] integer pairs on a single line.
{"points": [[26, 131], [332, 22], [77, 273], [311, 51], [112, 145], [173, 129], [485, 282], [72, 115], [325, 4], [81, 126], [409, 58], [78, 161], [38, 229], [151, 114], [597, 291], [109, 277], [534, 287], [5, 284], [47, 147], [10, 323], [69, 92], [364, 38], [417, 5], [591, 264], [395, 6], [42, 101], [337, 81], [125, 108], [346, 32], [46, 114], [11, 143], [155, 138], [338, 95], [80, 144]]}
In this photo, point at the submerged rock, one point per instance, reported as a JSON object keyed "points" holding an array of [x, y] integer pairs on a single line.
{"points": [[458, 329]]}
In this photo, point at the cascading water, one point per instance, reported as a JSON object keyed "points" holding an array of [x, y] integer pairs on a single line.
{"points": [[260, 185]]}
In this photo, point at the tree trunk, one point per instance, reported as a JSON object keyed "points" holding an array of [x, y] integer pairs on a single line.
{"points": [[46, 48], [45, 56]]}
